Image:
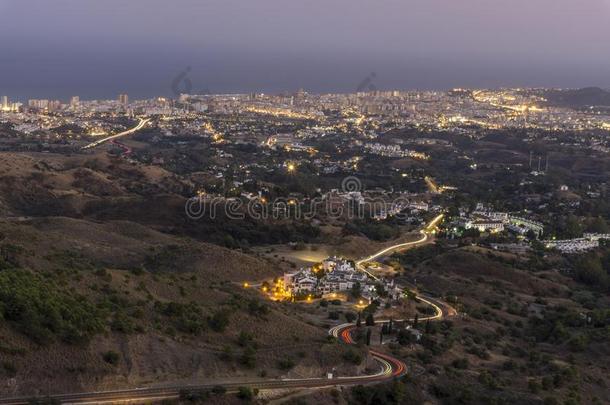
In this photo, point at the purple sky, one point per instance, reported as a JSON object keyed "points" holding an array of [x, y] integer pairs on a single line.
{"points": [[97, 48]]}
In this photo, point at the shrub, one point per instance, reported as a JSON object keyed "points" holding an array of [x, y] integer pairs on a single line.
{"points": [[219, 321], [245, 393], [352, 356], [460, 363], [285, 364], [43, 311], [187, 318], [111, 357], [248, 357]]}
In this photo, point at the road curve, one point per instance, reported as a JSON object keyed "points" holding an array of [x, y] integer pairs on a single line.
{"points": [[425, 232], [141, 124], [389, 369]]}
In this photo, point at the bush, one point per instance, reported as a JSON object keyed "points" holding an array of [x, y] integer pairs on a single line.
{"points": [[187, 318], [577, 343], [460, 363], [248, 357], [43, 311], [246, 393], [194, 395], [285, 364], [219, 321], [111, 357], [352, 356], [257, 308]]}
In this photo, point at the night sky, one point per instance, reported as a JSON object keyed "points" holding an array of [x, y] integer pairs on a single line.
{"points": [[99, 48]]}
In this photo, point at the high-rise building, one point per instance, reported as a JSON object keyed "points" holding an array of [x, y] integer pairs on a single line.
{"points": [[75, 101], [5, 102], [123, 99], [50, 105]]}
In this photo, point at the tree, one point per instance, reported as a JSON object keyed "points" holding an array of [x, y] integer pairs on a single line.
{"points": [[589, 270], [573, 227], [598, 225], [248, 357], [356, 290], [381, 290], [405, 337], [370, 320]]}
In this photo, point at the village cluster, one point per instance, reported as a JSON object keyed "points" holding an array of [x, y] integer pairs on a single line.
{"points": [[486, 220], [335, 275]]}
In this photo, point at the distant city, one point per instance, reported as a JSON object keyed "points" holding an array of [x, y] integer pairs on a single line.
{"points": [[454, 110]]}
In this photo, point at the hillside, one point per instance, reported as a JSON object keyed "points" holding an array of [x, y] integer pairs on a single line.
{"points": [[90, 306], [521, 338]]}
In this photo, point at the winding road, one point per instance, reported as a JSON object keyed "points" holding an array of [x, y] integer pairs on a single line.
{"points": [[390, 367], [141, 124]]}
